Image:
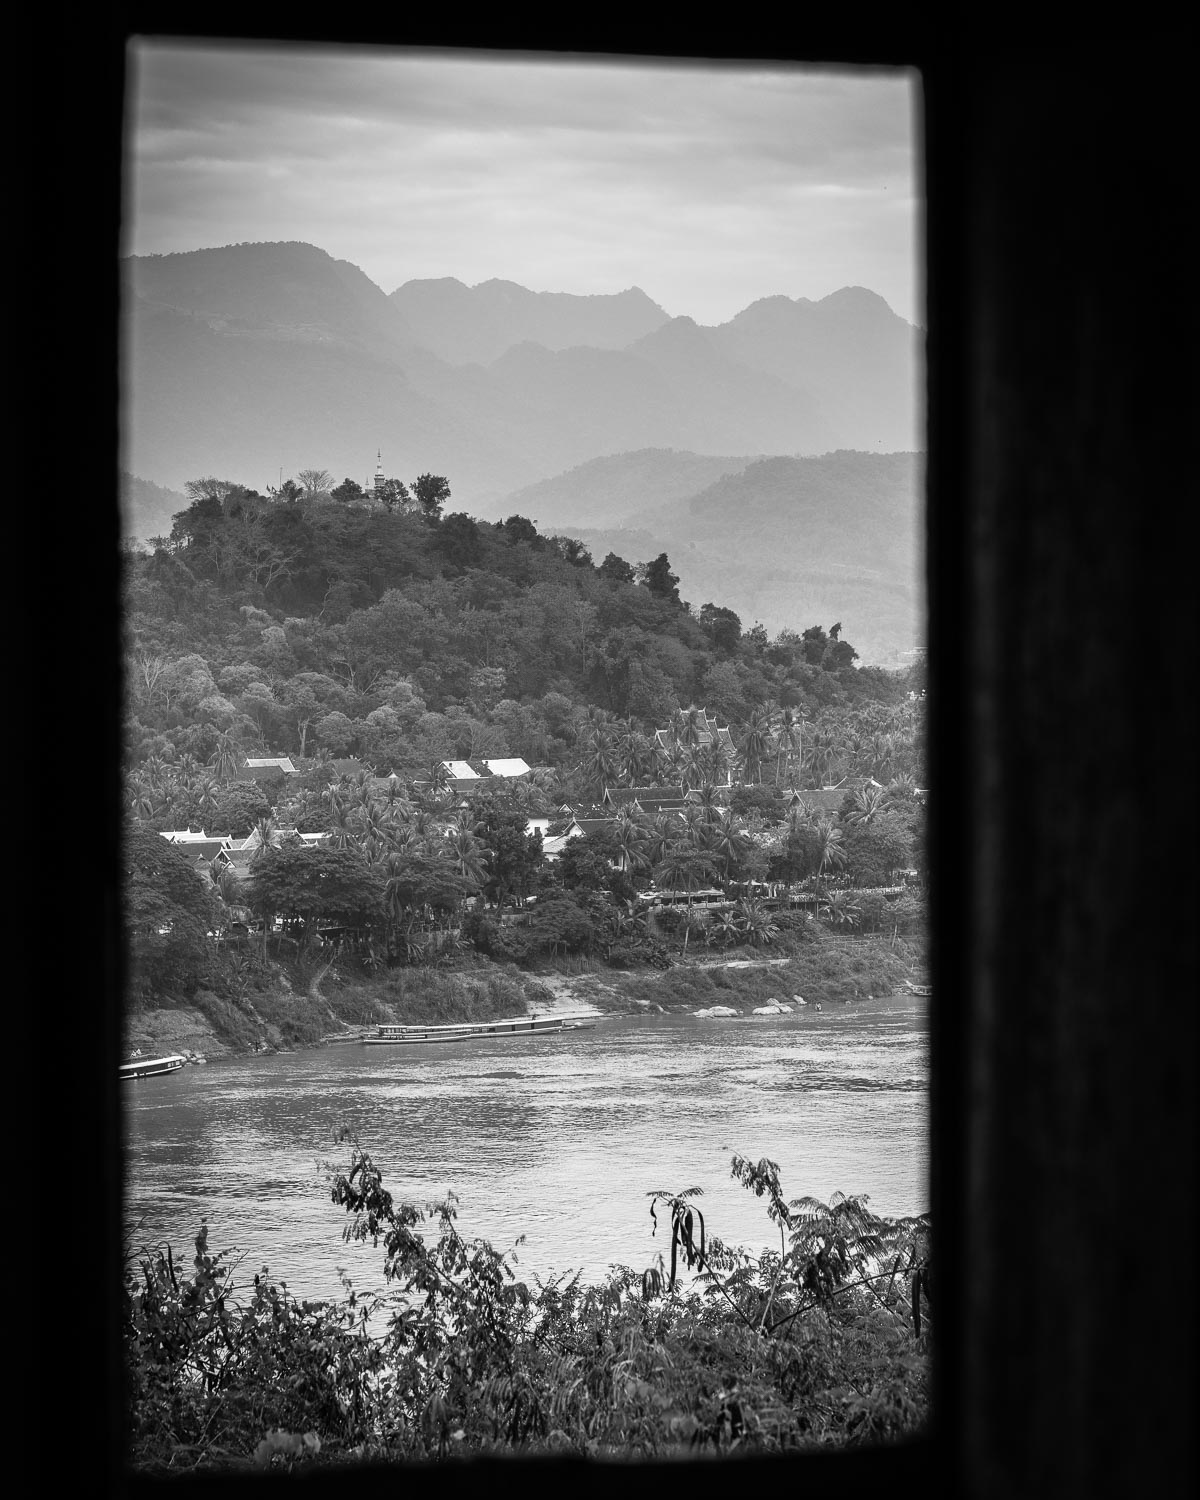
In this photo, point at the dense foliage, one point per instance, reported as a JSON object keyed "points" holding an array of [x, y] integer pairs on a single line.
{"points": [[360, 635], [308, 622], [823, 1341]]}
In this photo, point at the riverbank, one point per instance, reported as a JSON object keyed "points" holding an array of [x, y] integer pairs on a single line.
{"points": [[286, 1010]]}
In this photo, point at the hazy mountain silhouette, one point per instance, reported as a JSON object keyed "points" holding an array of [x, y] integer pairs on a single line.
{"points": [[851, 348], [778, 539], [607, 491], [248, 359], [147, 509], [476, 324]]}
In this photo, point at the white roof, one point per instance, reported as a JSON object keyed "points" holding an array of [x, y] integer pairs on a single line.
{"points": [[460, 770], [553, 847], [282, 761], [186, 836], [512, 767]]}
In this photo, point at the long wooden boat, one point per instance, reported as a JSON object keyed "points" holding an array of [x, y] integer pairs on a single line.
{"points": [[468, 1031], [918, 989], [147, 1067]]}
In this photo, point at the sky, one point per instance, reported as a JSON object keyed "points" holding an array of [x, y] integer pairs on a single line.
{"points": [[706, 186]]}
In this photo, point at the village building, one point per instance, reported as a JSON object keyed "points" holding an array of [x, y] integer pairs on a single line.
{"points": [[707, 733]]}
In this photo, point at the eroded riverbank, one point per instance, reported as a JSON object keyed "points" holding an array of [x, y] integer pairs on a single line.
{"points": [[277, 1015]]}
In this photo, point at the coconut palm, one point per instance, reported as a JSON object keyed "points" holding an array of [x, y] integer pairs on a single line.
{"points": [[206, 795], [901, 788], [683, 867], [601, 761], [708, 802], [470, 858], [727, 843], [631, 839], [789, 742], [226, 755], [715, 762], [869, 802], [830, 850], [756, 743]]}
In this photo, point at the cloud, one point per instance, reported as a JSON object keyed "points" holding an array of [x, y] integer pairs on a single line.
{"points": [[582, 176]]}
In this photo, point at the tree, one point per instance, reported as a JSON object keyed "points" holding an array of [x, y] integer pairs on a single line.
{"points": [[431, 492], [519, 529], [512, 854], [756, 743], [722, 625], [459, 541], [659, 579], [617, 570], [314, 482], [395, 495], [789, 740], [815, 642], [169, 911], [306, 883], [349, 492]]}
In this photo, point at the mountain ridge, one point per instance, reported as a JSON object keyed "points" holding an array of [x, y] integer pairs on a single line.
{"points": [[247, 358]]}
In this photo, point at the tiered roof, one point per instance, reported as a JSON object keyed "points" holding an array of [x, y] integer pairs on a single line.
{"points": [[708, 730]]}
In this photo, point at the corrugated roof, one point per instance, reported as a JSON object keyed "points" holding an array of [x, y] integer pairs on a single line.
{"points": [[461, 770]]}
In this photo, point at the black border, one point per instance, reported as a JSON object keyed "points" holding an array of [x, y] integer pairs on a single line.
{"points": [[984, 210]]}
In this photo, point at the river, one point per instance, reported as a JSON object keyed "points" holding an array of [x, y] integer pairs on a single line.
{"points": [[558, 1138]]}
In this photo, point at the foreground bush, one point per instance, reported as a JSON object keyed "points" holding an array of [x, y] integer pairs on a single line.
{"points": [[823, 1342]]}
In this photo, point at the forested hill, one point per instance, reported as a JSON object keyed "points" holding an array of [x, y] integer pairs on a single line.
{"points": [[310, 620], [837, 535]]}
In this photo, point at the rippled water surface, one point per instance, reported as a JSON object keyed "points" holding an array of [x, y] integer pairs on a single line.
{"points": [[558, 1138]]}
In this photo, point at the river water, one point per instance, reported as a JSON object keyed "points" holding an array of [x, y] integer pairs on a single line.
{"points": [[558, 1138]]}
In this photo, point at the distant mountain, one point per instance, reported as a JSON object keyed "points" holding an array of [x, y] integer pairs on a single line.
{"points": [[252, 359], [476, 324], [792, 541], [147, 509], [851, 348], [605, 491], [287, 291]]}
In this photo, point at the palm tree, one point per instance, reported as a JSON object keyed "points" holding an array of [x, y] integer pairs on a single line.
{"points": [[824, 755], [226, 755], [684, 867], [789, 741], [601, 762], [714, 761], [727, 842], [708, 803], [869, 801], [470, 859], [207, 791], [830, 851], [269, 836], [630, 837], [635, 752], [756, 742]]}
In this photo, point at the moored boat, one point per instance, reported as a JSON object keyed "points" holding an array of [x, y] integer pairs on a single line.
{"points": [[467, 1031], [918, 989], [148, 1067]]}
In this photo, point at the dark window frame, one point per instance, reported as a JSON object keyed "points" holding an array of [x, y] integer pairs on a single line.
{"points": [[1051, 418]]}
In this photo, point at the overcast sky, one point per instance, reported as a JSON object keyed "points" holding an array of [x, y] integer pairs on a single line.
{"points": [[707, 187]]}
